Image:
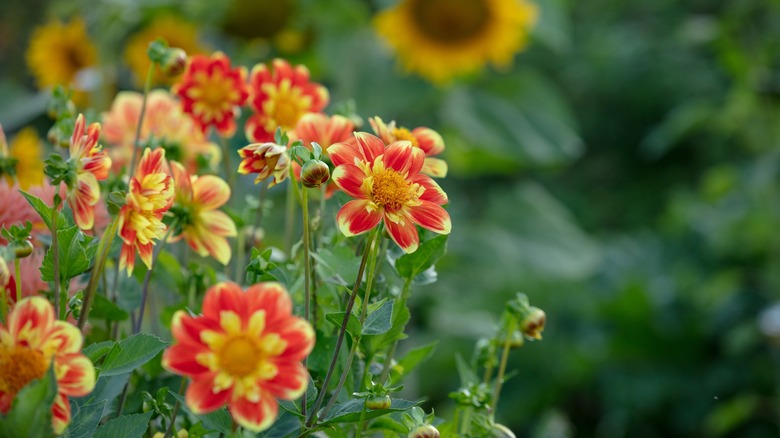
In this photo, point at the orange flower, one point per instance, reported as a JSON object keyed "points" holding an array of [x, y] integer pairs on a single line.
{"points": [[424, 138], [387, 186], [90, 165], [30, 340], [266, 160], [163, 120], [280, 98], [203, 227], [212, 92], [150, 195], [244, 351]]}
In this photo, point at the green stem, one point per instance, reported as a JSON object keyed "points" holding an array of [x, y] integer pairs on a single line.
{"points": [[137, 140], [172, 427], [289, 223], [306, 275], [55, 251], [18, 272], [391, 351], [502, 367], [240, 247], [343, 329], [102, 253], [148, 277], [466, 429]]}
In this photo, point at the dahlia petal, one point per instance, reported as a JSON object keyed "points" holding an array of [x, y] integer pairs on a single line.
{"points": [[182, 359], [349, 178], [290, 382], [75, 140], [64, 338], [60, 410], [433, 192], [432, 217], [404, 158], [201, 397], [221, 297], [271, 298], [299, 336], [345, 152], [76, 375], [31, 320], [255, 129], [380, 129], [210, 192], [404, 234], [218, 248], [255, 417], [145, 253], [181, 180], [435, 167], [355, 217], [187, 330], [370, 145], [429, 140]]}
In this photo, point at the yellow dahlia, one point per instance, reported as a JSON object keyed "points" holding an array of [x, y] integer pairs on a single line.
{"points": [[27, 149], [440, 39], [58, 52]]}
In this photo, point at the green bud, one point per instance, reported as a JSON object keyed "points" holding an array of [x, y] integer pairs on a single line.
{"points": [[23, 249], [314, 173], [532, 324], [174, 62], [501, 431], [378, 402], [424, 431]]}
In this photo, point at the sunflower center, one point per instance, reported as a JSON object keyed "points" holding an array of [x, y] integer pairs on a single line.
{"points": [[18, 367], [448, 21], [405, 134], [390, 190], [240, 356]]}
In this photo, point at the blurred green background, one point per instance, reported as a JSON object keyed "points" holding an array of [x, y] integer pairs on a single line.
{"points": [[622, 172]]}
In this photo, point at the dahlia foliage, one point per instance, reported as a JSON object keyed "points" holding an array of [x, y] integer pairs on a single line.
{"points": [[227, 323]]}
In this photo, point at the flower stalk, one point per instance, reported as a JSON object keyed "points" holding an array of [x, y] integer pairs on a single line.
{"points": [[137, 140], [502, 366], [306, 272], [104, 247]]}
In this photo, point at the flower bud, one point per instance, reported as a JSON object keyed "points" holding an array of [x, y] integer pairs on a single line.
{"points": [[23, 250], [378, 402], [532, 324], [501, 431], [314, 173], [5, 274], [174, 62], [424, 431], [516, 339]]}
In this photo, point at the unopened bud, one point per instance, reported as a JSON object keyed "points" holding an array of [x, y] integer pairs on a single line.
{"points": [[378, 402], [5, 274], [24, 249], [174, 62], [424, 431], [314, 173], [532, 324], [501, 431]]}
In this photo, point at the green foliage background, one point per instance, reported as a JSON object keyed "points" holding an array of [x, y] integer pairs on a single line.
{"points": [[623, 174]]}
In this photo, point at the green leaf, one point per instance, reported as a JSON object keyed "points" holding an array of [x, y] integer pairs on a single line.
{"points": [[97, 350], [353, 325], [401, 317], [103, 308], [107, 389], [352, 410], [338, 266], [85, 420], [414, 264], [413, 358], [126, 426], [30, 414], [467, 375], [380, 320], [130, 353], [75, 253], [286, 425], [219, 420], [44, 211]]}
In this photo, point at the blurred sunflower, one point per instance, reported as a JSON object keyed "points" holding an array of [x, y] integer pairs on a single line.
{"points": [[177, 32], [58, 52], [27, 149], [440, 39]]}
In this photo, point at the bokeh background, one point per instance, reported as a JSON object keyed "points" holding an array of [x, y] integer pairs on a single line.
{"points": [[620, 168]]}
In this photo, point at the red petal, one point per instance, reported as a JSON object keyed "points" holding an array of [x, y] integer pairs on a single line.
{"points": [[350, 179], [255, 417], [223, 296], [404, 158], [201, 397], [272, 298], [433, 191], [404, 235], [181, 359], [371, 146], [355, 218], [430, 216], [290, 382]]}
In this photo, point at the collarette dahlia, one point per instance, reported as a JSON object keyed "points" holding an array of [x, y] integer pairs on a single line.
{"points": [[33, 339], [266, 160], [91, 165], [424, 138], [244, 351], [387, 185]]}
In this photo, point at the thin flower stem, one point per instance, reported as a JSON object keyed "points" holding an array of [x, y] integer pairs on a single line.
{"points": [[502, 367], [148, 277], [137, 140], [343, 329], [306, 275], [362, 319], [289, 223], [102, 253], [18, 273], [172, 427], [55, 251], [391, 350], [240, 248]]}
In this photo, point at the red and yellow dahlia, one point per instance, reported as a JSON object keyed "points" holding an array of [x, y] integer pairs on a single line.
{"points": [[387, 186], [203, 227], [266, 160], [150, 195], [30, 341], [424, 138], [244, 351], [212, 92], [91, 165], [280, 98]]}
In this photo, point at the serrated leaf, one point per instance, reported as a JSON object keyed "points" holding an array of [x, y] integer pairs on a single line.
{"points": [[401, 317], [338, 266], [45, 211], [413, 358], [75, 253], [30, 414], [107, 388], [353, 325], [411, 265], [97, 350], [286, 425], [380, 320], [126, 426], [352, 410], [103, 308], [130, 353], [465, 372], [85, 420], [219, 420]]}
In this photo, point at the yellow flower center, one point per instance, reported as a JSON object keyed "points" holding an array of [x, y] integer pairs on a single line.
{"points": [[451, 22], [405, 134], [391, 190], [285, 104], [240, 356], [213, 96], [18, 367]]}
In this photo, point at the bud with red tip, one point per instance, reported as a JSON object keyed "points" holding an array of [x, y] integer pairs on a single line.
{"points": [[5, 274], [314, 173], [424, 431], [174, 62], [532, 324]]}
